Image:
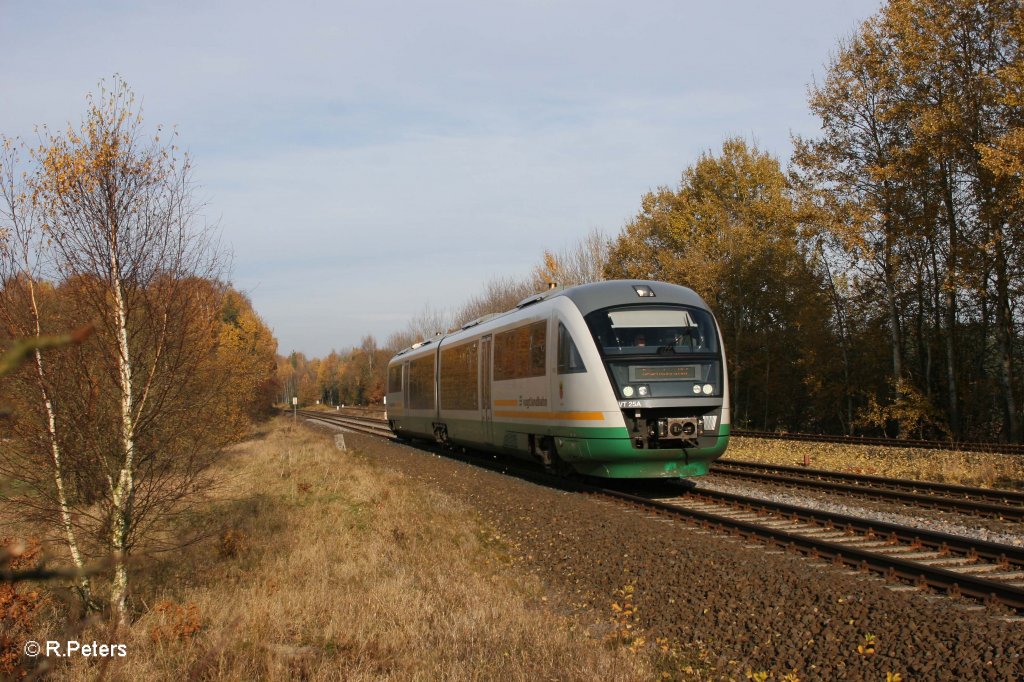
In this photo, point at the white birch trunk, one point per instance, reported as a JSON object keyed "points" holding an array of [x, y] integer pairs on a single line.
{"points": [[55, 453], [123, 490]]}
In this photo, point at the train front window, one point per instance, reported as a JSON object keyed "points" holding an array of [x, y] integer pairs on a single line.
{"points": [[653, 330], [569, 360]]}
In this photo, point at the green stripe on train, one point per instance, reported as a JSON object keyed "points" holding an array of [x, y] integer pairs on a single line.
{"points": [[596, 451]]}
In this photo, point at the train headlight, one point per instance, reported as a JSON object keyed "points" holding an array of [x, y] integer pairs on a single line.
{"points": [[643, 391], [707, 389], [696, 389], [643, 291], [627, 391]]}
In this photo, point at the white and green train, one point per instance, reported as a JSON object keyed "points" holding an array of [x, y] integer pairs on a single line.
{"points": [[617, 379]]}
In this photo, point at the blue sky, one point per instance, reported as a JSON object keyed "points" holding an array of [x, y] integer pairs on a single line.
{"points": [[367, 159]]}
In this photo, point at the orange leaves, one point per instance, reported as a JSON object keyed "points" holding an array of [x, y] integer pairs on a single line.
{"points": [[18, 607], [246, 351], [549, 272], [178, 622], [108, 149]]}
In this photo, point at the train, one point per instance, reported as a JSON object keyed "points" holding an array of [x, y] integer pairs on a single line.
{"points": [[622, 379]]}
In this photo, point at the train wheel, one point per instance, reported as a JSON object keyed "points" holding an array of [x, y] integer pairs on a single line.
{"points": [[398, 436], [548, 453]]}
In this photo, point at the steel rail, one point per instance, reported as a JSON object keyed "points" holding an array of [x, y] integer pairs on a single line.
{"points": [[342, 414], [990, 551], [367, 425], [1000, 511], [946, 580], [999, 495]]}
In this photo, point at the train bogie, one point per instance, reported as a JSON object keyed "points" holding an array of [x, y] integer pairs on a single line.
{"points": [[619, 379]]}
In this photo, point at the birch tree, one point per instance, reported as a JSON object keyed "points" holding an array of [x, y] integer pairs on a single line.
{"points": [[22, 232], [126, 240]]}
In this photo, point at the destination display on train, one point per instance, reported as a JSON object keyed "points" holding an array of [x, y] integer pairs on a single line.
{"points": [[664, 373]]}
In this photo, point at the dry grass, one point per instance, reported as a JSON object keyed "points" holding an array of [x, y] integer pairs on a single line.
{"points": [[324, 567], [944, 466]]}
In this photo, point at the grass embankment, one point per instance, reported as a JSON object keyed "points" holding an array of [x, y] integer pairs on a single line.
{"points": [[324, 566], [944, 466]]}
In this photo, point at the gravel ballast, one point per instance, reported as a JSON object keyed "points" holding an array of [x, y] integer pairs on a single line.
{"points": [[743, 607]]}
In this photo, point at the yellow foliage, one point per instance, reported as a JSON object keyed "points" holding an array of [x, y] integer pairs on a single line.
{"points": [[247, 350], [910, 408]]}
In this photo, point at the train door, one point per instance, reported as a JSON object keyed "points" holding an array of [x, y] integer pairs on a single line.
{"points": [[485, 388]]}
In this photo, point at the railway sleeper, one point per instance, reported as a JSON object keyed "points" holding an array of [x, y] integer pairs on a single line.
{"points": [[945, 561], [912, 555], [975, 569], [821, 533], [862, 542], [1014, 577]]}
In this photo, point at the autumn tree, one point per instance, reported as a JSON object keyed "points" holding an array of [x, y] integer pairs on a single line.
{"points": [[581, 263], [496, 295], [363, 372], [398, 341], [246, 351], [1004, 155], [949, 54], [287, 378], [297, 378], [328, 378], [732, 233], [21, 295], [308, 390], [139, 410], [911, 105]]}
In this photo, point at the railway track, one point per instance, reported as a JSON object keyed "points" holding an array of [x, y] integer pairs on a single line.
{"points": [[1007, 505], [373, 426], [918, 559], [957, 566]]}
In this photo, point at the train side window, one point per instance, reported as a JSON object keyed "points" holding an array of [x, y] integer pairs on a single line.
{"points": [[569, 360], [521, 353], [395, 378], [459, 385], [421, 383]]}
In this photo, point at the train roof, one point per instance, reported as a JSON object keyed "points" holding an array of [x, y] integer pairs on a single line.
{"points": [[597, 295], [594, 296]]}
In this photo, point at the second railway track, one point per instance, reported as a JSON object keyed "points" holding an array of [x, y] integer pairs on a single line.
{"points": [[954, 564], [1007, 505], [373, 426]]}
